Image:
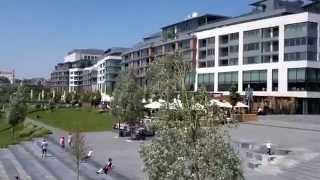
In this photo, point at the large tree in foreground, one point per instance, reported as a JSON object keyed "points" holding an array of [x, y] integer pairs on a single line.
{"points": [[192, 143]]}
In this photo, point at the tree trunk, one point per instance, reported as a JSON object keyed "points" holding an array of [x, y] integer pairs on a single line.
{"points": [[78, 169]]}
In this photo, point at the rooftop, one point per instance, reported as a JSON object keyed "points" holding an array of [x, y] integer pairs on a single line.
{"points": [[87, 51]]}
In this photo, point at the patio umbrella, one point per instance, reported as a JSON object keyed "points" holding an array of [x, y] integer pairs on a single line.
{"points": [[220, 104], [241, 105]]}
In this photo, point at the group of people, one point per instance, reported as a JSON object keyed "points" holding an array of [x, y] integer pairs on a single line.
{"points": [[62, 141], [44, 146]]}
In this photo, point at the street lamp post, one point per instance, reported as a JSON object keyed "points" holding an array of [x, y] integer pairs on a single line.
{"points": [[249, 97]]}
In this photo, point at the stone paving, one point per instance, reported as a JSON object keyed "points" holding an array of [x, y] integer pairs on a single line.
{"points": [[297, 134]]}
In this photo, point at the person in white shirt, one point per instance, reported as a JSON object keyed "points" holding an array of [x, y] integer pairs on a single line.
{"points": [[44, 146], [88, 156], [268, 145], [69, 139]]}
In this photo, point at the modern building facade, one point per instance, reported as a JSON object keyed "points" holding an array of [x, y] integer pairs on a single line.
{"points": [[272, 50], [69, 75], [87, 70], [108, 69], [173, 39]]}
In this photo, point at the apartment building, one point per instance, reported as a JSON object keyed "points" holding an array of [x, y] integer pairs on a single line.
{"points": [[88, 70], [173, 39], [108, 69], [272, 51], [75, 73]]}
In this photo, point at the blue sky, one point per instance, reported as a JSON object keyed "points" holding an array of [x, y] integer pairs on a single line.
{"points": [[36, 34]]}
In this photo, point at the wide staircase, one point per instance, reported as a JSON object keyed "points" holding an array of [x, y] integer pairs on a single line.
{"points": [[24, 160]]}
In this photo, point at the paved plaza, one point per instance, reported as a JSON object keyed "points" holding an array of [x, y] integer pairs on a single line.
{"points": [[299, 134], [296, 135]]}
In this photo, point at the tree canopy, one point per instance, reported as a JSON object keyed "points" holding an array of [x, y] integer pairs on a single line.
{"points": [[192, 143]]}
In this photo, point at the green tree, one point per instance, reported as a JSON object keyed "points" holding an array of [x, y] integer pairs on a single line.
{"points": [[4, 80], [17, 110], [234, 96], [191, 143], [127, 104], [95, 98]]}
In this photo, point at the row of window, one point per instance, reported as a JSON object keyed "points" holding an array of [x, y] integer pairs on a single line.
{"points": [[299, 79], [265, 46], [298, 56], [271, 32], [300, 41]]}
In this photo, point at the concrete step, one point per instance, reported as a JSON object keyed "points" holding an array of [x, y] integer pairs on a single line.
{"points": [[86, 169], [52, 163], [31, 164], [3, 172], [12, 166]]}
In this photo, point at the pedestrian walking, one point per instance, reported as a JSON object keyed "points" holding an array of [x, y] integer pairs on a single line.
{"points": [[69, 139], [44, 146], [62, 142], [268, 145]]}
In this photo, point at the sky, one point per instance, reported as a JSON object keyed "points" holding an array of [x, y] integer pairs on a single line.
{"points": [[36, 34]]}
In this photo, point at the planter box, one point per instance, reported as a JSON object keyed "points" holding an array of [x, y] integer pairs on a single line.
{"points": [[248, 117]]}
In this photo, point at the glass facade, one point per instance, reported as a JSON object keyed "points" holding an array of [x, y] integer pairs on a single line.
{"points": [[301, 42], [226, 80], [256, 79], [206, 81], [275, 81], [206, 52], [303, 79]]}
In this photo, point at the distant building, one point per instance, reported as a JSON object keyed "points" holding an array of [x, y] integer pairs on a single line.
{"points": [[8, 74], [87, 70]]}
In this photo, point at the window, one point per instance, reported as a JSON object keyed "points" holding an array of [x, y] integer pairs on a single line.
{"points": [[206, 81], [296, 79], [251, 47], [275, 82], [228, 62], [234, 36], [202, 43], [202, 54], [226, 80], [251, 34], [256, 79], [210, 52], [224, 52], [233, 49], [251, 60], [224, 39], [211, 41]]}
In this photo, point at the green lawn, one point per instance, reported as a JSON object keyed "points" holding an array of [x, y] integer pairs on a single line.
{"points": [[88, 120], [6, 136]]}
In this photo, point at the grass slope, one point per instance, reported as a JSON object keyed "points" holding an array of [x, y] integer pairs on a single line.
{"points": [[88, 120]]}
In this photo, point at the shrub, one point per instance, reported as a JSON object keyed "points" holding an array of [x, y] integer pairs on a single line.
{"points": [[27, 131], [40, 132]]}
